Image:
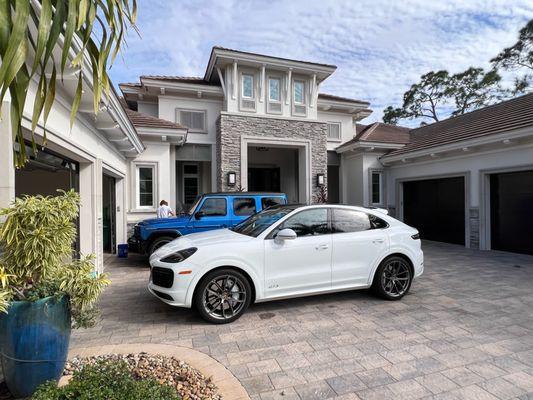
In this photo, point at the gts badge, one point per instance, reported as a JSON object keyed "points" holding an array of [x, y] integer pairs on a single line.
{"points": [[273, 286]]}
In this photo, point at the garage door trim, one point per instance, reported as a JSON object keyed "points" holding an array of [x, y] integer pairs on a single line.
{"points": [[485, 239], [465, 175]]}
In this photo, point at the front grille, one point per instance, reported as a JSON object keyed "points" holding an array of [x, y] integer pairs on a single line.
{"points": [[163, 277], [163, 295]]}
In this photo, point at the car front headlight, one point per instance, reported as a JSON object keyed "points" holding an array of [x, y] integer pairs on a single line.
{"points": [[179, 256]]}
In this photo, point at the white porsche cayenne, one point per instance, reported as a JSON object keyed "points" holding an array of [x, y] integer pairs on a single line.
{"points": [[287, 251]]}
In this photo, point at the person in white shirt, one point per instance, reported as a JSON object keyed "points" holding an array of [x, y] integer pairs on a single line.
{"points": [[164, 211]]}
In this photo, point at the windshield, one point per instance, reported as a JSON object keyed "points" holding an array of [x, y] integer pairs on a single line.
{"points": [[193, 207], [257, 223]]}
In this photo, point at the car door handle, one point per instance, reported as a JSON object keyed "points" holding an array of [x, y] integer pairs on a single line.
{"points": [[378, 240], [322, 247]]}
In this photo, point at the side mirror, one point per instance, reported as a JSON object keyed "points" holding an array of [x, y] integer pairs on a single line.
{"points": [[199, 215], [285, 234]]}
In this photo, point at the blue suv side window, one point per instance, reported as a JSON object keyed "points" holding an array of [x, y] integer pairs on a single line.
{"points": [[243, 206], [271, 201], [214, 207]]}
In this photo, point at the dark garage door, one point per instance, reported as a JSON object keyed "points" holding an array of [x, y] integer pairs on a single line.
{"points": [[511, 200], [436, 207]]}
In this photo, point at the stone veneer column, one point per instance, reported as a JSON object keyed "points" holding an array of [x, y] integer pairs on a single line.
{"points": [[474, 227], [230, 129]]}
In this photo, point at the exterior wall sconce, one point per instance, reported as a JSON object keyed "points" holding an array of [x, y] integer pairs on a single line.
{"points": [[320, 180], [232, 178]]}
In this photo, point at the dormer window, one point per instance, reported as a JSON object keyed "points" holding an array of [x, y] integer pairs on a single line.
{"points": [[299, 92], [274, 95], [274, 85], [247, 100], [247, 86], [298, 96]]}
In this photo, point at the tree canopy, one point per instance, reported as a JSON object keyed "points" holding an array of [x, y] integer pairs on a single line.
{"points": [[439, 90], [440, 94]]}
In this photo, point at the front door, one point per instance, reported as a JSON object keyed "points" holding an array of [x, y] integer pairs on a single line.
{"points": [[358, 244], [302, 265], [211, 214]]}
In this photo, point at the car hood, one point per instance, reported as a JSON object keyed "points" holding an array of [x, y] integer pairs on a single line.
{"points": [[152, 223], [202, 241]]}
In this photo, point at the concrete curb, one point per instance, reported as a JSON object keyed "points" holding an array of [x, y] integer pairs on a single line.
{"points": [[228, 386]]}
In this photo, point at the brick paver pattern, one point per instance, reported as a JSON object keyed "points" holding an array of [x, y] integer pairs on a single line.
{"points": [[465, 331]]}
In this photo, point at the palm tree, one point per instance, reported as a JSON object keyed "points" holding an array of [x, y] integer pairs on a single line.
{"points": [[30, 31]]}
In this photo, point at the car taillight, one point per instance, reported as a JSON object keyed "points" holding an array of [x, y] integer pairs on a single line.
{"points": [[416, 236]]}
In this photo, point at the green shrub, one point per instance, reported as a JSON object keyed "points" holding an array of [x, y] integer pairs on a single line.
{"points": [[106, 380], [36, 238]]}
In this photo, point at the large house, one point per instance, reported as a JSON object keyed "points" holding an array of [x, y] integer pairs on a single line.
{"points": [[256, 122]]}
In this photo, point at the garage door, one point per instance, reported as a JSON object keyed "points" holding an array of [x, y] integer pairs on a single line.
{"points": [[436, 207], [511, 200]]}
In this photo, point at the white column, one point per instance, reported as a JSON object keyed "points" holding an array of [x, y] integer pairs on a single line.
{"points": [[262, 85], [99, 214], [234, 83], [214, 164], [7, 170], [120, 211]]}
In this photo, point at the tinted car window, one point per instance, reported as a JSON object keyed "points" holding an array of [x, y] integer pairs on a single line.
{"points": [[244, 206], [214, 207], [309, 222], [271, 201], [344, 221], [377, 223]]}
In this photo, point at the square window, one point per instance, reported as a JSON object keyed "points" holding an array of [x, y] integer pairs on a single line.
{"points": [[334, 131]]}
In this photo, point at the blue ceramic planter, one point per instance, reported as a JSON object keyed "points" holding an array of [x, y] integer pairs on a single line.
{"points": [[34, 339]]}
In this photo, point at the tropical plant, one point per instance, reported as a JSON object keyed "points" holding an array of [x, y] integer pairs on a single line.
{"points": [[106, 380], [37, 256], [322, 195], [25, 54]]}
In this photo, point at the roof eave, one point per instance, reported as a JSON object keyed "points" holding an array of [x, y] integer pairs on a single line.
{"points": [[366, 145], [182, 86], [218, 53], [459, 145]]}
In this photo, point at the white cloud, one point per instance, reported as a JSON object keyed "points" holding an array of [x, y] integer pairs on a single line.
{"points": [[380, 47]]}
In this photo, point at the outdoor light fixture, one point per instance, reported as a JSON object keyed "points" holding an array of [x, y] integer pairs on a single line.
{"points": [[232, 178], [320, 179]]}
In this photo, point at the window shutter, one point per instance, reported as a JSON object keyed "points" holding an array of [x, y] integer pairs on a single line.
{"points": [[194, 120]]}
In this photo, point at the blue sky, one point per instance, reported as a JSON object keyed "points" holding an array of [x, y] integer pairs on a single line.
{"points": [[380, 47]]}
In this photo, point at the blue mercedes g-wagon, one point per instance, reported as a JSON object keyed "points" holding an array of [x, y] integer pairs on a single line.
{"points": [[209, 211]]}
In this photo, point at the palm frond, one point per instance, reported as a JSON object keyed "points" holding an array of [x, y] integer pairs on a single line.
{"points": [[72, 23]]}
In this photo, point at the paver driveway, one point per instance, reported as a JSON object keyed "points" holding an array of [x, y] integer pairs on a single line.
{"points": [[464, 331]]}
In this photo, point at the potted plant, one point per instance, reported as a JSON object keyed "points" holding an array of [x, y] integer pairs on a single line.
{"points": [[44, 288]]}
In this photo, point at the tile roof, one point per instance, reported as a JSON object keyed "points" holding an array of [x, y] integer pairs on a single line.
{"points": [[327, 96], [142, 120], [379, 132], [502, 117]]}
